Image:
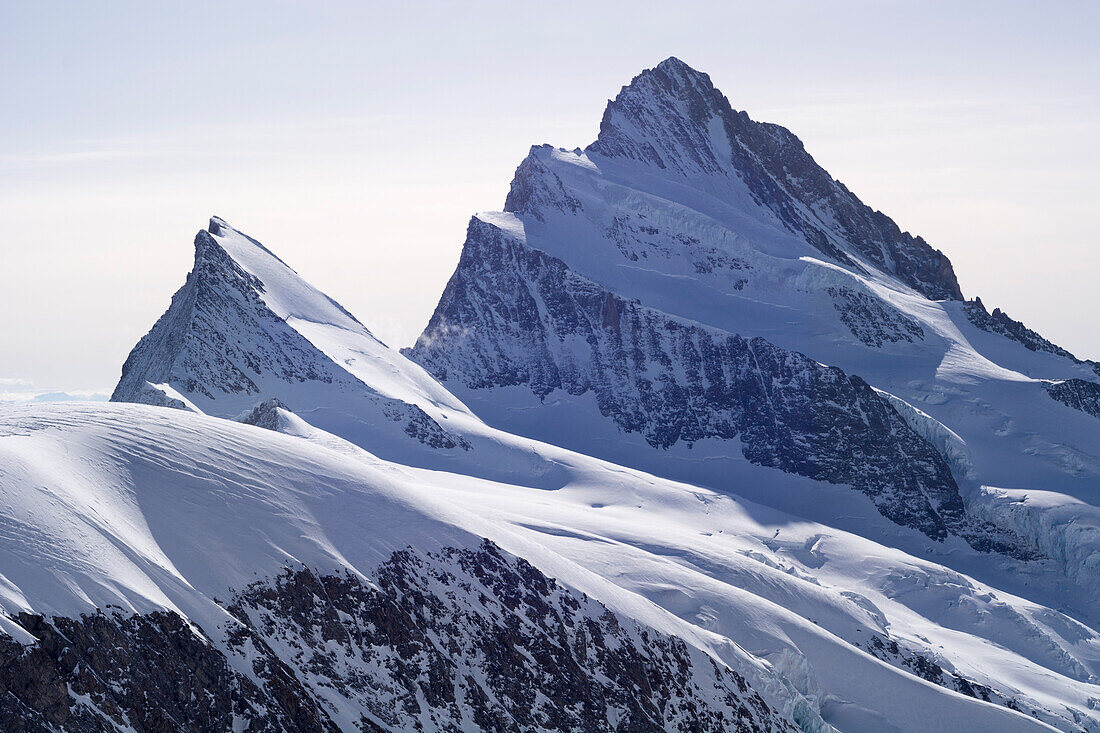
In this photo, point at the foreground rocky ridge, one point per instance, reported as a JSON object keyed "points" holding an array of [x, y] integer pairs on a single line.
{"points": [[454, 640], [121, 506]]}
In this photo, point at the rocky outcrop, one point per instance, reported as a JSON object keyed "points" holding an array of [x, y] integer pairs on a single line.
{"points": [[1001, 323], [267, 415], [459, 639], [1078, 394], [512, 315]]}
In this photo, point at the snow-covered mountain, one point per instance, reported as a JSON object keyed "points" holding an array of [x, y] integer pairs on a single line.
{"points": [[244, 327], [692, 294], [322, 536]]}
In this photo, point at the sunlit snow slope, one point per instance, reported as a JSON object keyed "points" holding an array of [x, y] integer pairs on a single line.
{"points": [[141, 508]]}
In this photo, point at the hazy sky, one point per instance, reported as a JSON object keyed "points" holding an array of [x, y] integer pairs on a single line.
{"points": [[355, 139]]}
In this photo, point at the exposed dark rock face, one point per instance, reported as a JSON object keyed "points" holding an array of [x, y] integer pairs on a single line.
{"points": [[475, 637], [512, 315], [218, 339], [444, 641], [1078, 394], [664, 118], [148, 673], [873, 322]]}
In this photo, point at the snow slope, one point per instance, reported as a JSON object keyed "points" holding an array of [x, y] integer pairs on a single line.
{"points": [[145, 508]]}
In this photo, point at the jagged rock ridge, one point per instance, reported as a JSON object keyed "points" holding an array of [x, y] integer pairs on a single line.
{"points": [[1001, 323]]}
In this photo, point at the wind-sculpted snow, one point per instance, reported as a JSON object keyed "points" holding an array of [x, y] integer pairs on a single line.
{"points": [[515, 316], [231, 339], [278, 553]]}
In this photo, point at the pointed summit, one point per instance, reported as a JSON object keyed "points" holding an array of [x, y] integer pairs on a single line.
{"points": [[246, 328], [664, 118], [674, 65], [674, 78], [671, 123]]}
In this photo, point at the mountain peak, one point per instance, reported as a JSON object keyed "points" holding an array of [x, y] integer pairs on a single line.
{"points": [[672, 125], [217, 225], [673, 68], [663, 117], [671, 77]]}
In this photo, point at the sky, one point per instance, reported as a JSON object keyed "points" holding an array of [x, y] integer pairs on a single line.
{"points": [[356, 139]]}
